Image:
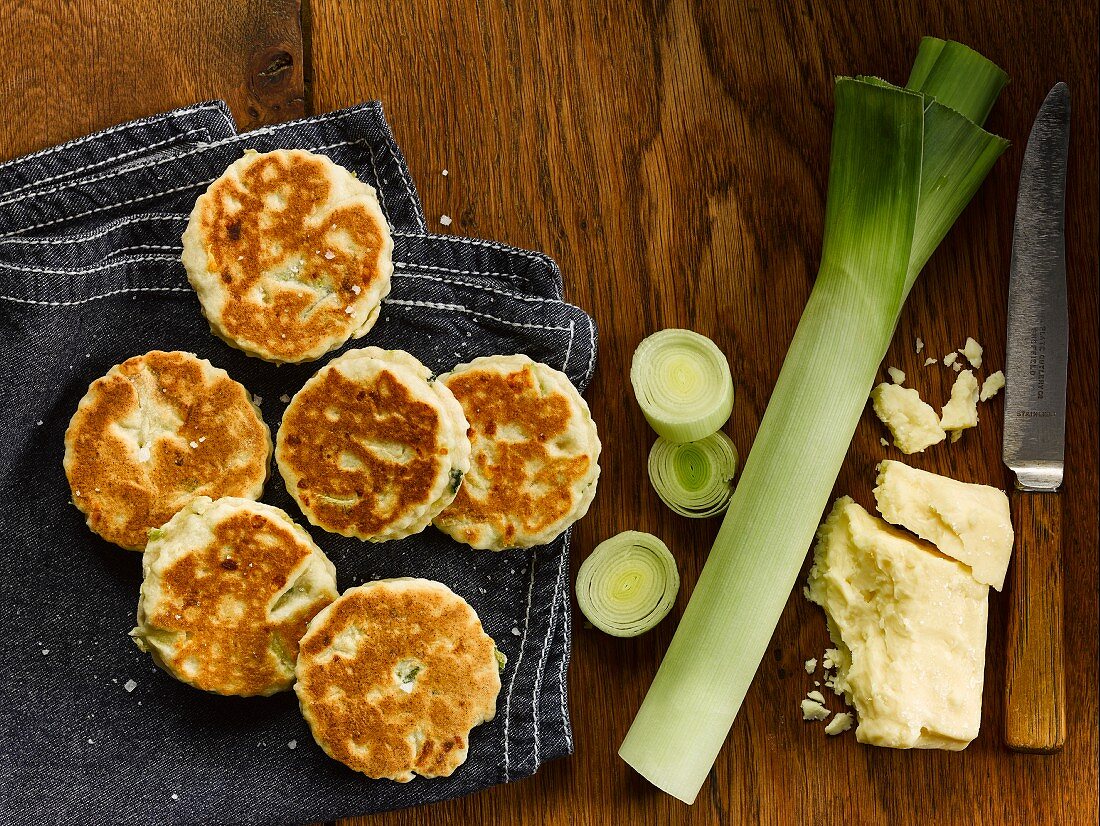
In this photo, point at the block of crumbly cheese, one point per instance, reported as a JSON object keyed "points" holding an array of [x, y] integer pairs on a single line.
{"points": [[913, 424], [961, 411], [968, 522], [909, 624]]}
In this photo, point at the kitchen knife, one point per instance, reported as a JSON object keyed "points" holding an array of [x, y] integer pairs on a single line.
{"points": [[1034, 436]]}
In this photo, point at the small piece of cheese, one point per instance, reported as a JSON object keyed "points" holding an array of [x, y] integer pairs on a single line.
{"points": [[973, 352], [813, 710], [967, 522], [961, 411], [839, 724], [896, 376], [816, 695], [920, 344], [992, 386], [949, 359], [929, 362], [913, 424], [910, 628], [832, 655], [811, 665]]}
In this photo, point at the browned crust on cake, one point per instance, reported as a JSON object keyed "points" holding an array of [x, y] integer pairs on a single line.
{"points": [[529, 489], [367, 499], [123, 496], [242, 651], [343, 253], [350, 695]]}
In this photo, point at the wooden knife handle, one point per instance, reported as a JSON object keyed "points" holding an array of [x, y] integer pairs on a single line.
{"points": [[1035, 683]]}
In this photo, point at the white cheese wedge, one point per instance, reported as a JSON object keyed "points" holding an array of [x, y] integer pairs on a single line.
{"points": [[910, 627], [961, 411], [970, 523], [992, 385], [913, 424]]}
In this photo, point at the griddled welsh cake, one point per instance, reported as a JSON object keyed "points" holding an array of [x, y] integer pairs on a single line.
{"points": [[372, 446], [534, 464], [290, 255], [392, 677], [229, 587], [155, 432]]}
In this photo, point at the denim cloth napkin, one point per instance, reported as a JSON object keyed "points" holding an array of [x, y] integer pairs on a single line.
{"points": [[89, 276]]}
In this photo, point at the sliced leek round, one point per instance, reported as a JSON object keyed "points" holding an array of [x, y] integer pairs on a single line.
{"points": [[628, 584], [695, 479], [682, 382]]}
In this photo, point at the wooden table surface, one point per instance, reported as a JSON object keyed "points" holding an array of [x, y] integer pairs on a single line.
{"points": [[673, 158]]}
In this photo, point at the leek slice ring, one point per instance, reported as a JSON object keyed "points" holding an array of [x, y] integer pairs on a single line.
{"points": [[628, 584], [683, 384], [695, 479]]}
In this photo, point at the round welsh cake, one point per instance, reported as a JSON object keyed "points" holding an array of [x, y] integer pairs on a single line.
{"points": [[372, 446], [289, 254], [534, 464], [393, 675], [154, 433], [228, 591]]}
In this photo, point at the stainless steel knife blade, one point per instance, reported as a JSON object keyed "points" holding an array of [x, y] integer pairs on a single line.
{"points": [[1038, 338]]}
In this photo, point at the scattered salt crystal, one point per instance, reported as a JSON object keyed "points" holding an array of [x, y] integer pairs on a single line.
{"points": [[293, 744], [515, 631], [482, 590], [45, 651], [143, 454], [284, 398], [348, 310], [257, 400], [90, 741], [355, 288], [445, 220], [130, 685], [175, 797], [40, 423], [240, 258], [202, 439], [445, 173], [329, 255]]}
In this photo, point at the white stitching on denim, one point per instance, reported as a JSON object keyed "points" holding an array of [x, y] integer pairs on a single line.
{"points": [[562, 677], [391, 146], [482, 273], [591, 347], [479, 242], [519, 660], [118, 223], [127, 202], [162, 247], [378, 180], [119, 128], [140, 259], [460, 308], [569, 348], [545, 653], [96, 297], [75, 173]]}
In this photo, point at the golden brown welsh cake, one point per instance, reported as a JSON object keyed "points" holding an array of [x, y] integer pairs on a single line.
{"points": [[392, 677], [534, 464], [155, 432], [290, 255], [372, 446], [228, 591]]}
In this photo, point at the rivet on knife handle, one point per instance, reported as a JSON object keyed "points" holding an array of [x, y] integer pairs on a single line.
{"points": [[1035, 689]]}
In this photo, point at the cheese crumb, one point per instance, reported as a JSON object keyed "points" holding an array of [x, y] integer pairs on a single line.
{"points": [[896, 376], [130, 685], [973, 352], [882, 441], [961, 411], [920, 344], [811, 664], [839, 724], [812, 710], [257, 400], [949, 359], [816, 695], [913, 424], [832, 658], [992, 386], [293, 744], [957, 366], [930, 361], [285, 399], [445, 220]]}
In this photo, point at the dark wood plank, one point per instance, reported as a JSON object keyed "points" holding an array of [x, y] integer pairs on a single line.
{"points": [[75, 67], [672, 157]]}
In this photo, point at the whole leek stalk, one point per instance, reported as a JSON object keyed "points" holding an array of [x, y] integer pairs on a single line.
{"points": [[904, 164]]}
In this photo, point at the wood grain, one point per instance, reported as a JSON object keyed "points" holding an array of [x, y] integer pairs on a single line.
{"points": [[75, 67], [673, 158], [1035, 684]]}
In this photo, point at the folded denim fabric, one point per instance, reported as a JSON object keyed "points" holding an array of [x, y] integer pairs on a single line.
{"points": [[89, 276]]}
